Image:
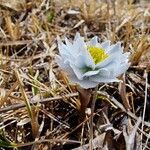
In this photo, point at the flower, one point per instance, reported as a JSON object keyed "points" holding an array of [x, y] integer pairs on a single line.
{"points": [[90, 63]]}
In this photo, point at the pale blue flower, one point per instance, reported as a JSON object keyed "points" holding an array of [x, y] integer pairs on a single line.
{"points": [[91, 63]]}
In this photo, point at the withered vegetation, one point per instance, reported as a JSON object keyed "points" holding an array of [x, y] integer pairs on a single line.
{"points": [[39, 108]]}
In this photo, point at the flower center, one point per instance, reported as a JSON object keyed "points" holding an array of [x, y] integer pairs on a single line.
{"points": [[98, 54]]}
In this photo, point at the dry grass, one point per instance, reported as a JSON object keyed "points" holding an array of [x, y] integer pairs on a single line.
{"points": [[39, 109]]}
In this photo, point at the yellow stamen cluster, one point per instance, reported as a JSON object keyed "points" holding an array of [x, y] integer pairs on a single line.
{"points": [[98, 54]]}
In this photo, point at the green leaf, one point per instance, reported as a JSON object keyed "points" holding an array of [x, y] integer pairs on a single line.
{"points": [[50, 16], [5, 143]]}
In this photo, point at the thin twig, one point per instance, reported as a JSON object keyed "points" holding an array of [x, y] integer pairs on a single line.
{"points": [[130, 139], [145, 101], [47, 140], [71, 95], [26, 100], [17, 106], [117, 103], [91, 118]]}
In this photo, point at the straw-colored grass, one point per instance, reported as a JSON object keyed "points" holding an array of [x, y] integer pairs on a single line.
{"points": [[39, 108]]}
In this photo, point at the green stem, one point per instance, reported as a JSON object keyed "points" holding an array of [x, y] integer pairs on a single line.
{"points": [[91, 118]]}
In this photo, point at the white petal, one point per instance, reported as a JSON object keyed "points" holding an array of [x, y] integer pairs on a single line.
{"points": [[90, 73], [112, 57], [77, 36], [88, 60], [100, 79], [93, 41], [115, 48], [105, 62], [65, 66], [77, 47], [86, 83], [105, 45], [79, 42], [124, 57], [68, 43], [112, 68], [82, 50], [122, 69], [80, 62], [76, 51], [104, 72], [77, 72], [82, 58], [74, 56], [63, 49]]}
